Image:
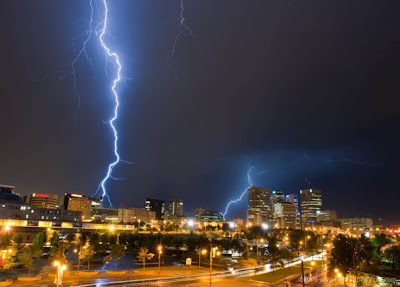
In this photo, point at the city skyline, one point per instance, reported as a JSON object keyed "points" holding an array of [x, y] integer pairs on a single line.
{"points": [[259, 86]]}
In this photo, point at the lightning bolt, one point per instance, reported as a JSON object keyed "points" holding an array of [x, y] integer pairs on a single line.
{"points": [[183, 28], [113, 56], [250, 182]]}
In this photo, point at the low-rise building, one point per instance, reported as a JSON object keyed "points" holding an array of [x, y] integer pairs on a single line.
{"points": [[43, 200], [356, 223], [131, 215], [108, 215]]}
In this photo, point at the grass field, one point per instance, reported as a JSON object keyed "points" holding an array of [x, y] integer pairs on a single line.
{"points": [[281, 274]]}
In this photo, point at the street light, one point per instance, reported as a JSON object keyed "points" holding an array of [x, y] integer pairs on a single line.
{"points": [[203, 252], [159, 248], [262, 240], [60, 270], [7, 228]]}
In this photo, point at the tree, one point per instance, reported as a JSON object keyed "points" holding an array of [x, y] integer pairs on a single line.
{"points": [[26, 257], [366, 250], [88, 254], [17, 240], [285, 254], [342, 252], [39, 239], [144, 255], [393, 254], [70, 237], [117, 251]]}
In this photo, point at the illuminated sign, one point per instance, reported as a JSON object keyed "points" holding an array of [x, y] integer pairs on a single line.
{"points": [[40, 195]]}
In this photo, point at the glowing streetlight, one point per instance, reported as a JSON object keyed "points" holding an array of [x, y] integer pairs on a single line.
{"points": [[60, 271], [7, 228], [111, 228], [203, 252], [159, 248]]}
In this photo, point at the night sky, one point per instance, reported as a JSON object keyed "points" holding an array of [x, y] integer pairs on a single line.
{"points": [[302, 90]]}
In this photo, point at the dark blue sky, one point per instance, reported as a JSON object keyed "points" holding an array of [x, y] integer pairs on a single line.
{"points": [[297, 89]]}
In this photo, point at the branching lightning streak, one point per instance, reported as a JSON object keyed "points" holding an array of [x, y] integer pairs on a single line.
{"points": [[250, 181], [182, 29], [117, 79]]}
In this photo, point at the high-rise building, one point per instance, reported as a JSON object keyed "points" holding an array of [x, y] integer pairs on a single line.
{"points": [[276, 196], [43, 200], [78, 202], [175, 207], [294, 198], [286, 215], [310, 205], [131, 215], [259, 210], [156, 205]]}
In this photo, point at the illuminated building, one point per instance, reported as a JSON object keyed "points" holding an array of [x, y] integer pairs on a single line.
{"points": [[43, 200], [175, 207], [327, 215], [130, 215], [310, 205], [156, 205], [78, 202], [109, 215], [259, 210], [286, 215], [357, 223], [211, 216]]}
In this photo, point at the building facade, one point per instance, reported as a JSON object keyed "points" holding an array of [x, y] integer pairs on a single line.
{"points": [[357, 223], [310, 205], [131, 215], [327, 215], [108, 215], [259, 210], [78, 202], [43, 200], [156, 205], [175, 207], [286, 215]]}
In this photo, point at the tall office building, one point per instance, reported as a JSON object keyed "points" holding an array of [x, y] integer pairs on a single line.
{"points": [[175, 207], [156, 205], [286, 215], [310, 205], [277, 196], [294, 198], [259, 210], [43, 200]]}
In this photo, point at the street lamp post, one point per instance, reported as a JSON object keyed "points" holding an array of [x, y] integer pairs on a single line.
{"points": [[159, 258], [302, 272], [211, 251], [204, 251], [60, 270]]}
